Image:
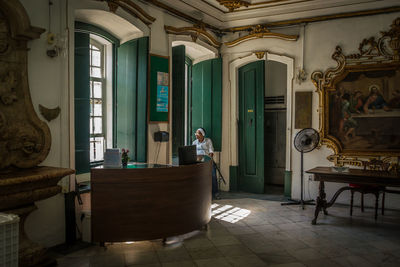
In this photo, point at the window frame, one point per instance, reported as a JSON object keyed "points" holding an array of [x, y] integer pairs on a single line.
{"points": [[103, 81]]}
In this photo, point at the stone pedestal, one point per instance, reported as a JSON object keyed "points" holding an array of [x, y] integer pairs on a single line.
{"points": [[19, 189]]}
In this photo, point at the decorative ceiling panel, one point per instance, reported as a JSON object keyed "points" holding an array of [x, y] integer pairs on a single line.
{"points": [[218, 14]]}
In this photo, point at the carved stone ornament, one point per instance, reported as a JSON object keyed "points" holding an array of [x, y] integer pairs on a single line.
{"points": [[195, 32], [49, 113], [233, 4], [260, 31], [359, 103], [259, 54], [24, 139]]}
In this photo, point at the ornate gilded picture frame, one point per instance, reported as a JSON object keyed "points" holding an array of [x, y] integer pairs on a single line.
{"points": [[360, 101]]}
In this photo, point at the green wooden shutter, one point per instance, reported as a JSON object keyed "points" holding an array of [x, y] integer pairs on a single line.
{"points": [[82, 103], [216, 103], [207, 99], [189, 131], [131, 106], [141, 116], [178, 98]]}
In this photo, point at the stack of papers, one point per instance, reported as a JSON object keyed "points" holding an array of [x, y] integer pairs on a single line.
{"points": [[112, 158]]}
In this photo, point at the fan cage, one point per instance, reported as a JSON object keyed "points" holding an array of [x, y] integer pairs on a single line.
{"points": [[306, 140]]}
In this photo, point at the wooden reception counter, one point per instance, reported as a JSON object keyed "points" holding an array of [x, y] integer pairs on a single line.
{"points": [[149, 201]]}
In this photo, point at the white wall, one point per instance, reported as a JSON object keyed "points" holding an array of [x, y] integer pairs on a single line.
{"points": [[47, 81]]}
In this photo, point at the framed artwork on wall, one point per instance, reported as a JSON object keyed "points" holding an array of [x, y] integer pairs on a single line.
{"points": [[159, 89], [303, 110], [360, 102]]}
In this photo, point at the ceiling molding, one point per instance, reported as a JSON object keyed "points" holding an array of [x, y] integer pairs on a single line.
{"points": [[130, 7], [248, 5], [195, 32], [231, 5], [317, 19], [258, 32], [181, 14], [269, 4]]}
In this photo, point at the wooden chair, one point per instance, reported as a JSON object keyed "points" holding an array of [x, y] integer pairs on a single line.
{"points": [[368, 189]]}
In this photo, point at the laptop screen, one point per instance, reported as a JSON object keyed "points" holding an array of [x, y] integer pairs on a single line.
{"points": [[187, 155]]}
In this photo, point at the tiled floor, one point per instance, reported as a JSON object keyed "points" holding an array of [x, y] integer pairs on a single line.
{"points": [[257, 232]]}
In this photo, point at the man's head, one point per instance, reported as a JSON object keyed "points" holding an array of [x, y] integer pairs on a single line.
{"points": [[200, 133], [373, 89]]}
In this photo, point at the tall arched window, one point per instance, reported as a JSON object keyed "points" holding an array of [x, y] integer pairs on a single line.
{"points": [[110, 98]]}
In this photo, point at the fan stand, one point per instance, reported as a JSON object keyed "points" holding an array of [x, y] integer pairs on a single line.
{"points": [[301, 201]]}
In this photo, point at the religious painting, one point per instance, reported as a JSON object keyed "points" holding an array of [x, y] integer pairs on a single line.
{"points": [[359, 101], [364, 111]]}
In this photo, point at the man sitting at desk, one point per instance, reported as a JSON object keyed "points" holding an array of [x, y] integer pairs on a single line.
{"points": [[205, 149]]}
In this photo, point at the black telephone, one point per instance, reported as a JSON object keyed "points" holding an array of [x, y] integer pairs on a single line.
{"points": [[161, 136]]}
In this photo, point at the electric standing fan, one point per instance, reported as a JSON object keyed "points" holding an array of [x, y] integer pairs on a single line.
{"points": [[305, 141]]}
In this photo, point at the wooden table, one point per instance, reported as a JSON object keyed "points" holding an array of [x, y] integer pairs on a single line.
{"points": [[356, 176]]}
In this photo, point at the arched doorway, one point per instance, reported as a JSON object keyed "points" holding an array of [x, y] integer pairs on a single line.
{"points": [[237, 139]]}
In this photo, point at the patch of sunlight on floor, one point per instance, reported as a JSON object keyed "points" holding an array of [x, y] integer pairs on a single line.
{"points": [[228, 213]]}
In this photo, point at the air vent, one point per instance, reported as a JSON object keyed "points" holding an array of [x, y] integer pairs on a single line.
{"points": [[270, 100]]}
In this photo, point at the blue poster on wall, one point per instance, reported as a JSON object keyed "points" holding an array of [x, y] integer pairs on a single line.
{"points": [[162, 98]]}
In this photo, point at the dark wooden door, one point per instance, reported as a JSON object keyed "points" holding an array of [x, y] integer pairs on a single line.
{"points": [[275, 146]]}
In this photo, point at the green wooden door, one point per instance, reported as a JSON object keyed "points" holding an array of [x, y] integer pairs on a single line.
{"points": [[131, 98], [178, 98], [207, 99], [251, 127], [82, 103]]}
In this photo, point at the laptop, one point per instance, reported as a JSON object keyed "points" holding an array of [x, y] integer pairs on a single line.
{"points": [[187, 155]]}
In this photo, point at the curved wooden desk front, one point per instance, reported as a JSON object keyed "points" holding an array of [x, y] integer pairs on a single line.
{"points": [[149, 203]]}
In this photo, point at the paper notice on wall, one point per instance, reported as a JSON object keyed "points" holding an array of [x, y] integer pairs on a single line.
{"points": [[162, 78], [162, 98]]}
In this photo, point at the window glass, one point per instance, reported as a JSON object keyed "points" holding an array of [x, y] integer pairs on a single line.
{"points": [[98, 108], [95, 72], [97, 89], [97, 127], [96, 58], [96, 148]]}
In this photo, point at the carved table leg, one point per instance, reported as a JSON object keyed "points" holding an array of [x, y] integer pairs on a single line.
{"points": [[321, 202]]}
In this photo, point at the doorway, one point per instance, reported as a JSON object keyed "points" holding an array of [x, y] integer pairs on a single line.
{"points": [[262, 127], [275, 127]]}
